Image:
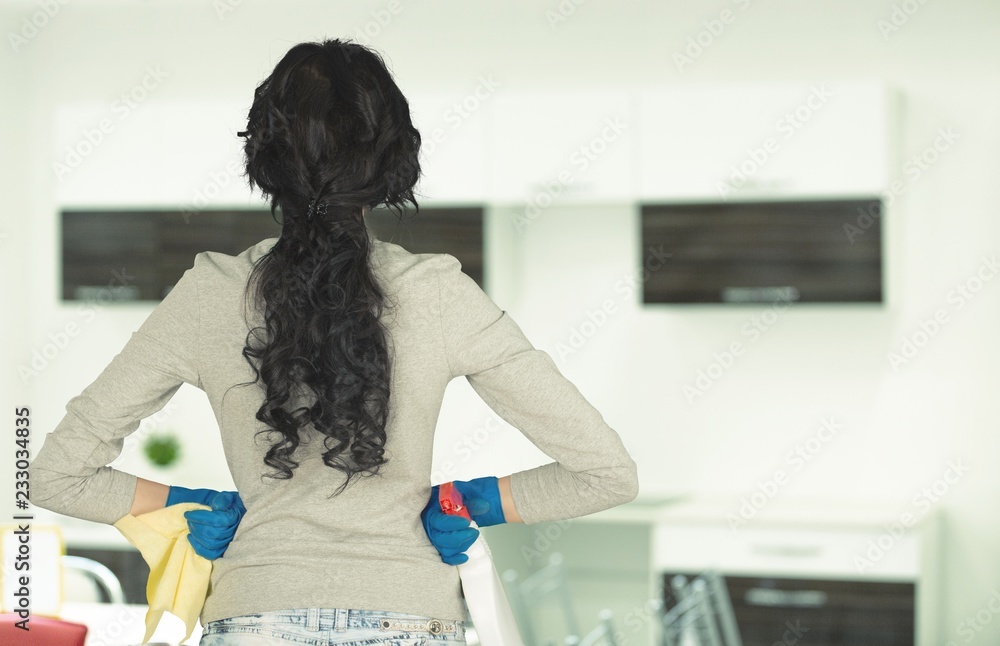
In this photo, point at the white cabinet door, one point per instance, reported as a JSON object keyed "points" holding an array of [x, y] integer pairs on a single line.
{"points": [[553, 147], [452, 128], [795, 552], [763, 141]]}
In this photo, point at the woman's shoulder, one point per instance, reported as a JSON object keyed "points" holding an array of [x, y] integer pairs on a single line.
{"points": [[397, 262], [233, 265], [392, 261]]}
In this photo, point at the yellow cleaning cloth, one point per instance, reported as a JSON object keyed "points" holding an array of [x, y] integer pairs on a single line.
{"points": [[178, 577]]}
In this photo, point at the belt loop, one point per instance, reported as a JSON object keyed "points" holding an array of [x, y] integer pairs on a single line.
{"points": [[340, 620], [312, 619]]}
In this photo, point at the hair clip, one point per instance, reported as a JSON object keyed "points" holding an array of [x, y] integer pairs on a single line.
{"points": [[316, 208]]}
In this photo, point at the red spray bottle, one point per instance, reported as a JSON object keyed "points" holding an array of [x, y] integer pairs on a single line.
{"points": [[484, 593]]}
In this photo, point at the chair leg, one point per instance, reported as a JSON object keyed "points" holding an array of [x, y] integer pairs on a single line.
{"points": [[723, 607], [706, 618], [512, 586], [99, 573], [703, 613]]}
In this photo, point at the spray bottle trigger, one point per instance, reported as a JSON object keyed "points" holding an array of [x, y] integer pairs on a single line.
{"points": [[451, 501]]}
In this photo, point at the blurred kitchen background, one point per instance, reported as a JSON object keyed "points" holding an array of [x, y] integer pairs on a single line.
{"points": [[828, 447]]}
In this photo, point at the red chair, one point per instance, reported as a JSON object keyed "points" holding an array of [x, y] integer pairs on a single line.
{"points": [[43, 631]]}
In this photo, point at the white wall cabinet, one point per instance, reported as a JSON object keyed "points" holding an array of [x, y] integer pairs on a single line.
{"points": [[549, 147], [852, 547], [763, 141], [453, 144], [533, 147]]}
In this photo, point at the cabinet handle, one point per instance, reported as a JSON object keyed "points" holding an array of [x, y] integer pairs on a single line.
{"points": [[787, 598], [795, 551]]}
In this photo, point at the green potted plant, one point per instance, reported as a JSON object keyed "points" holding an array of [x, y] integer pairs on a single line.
{"points": [[162, 449]]}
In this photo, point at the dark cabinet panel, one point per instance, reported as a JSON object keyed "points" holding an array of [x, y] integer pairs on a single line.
{"points": [[818, 612], [138, 255], [802, 251], [454, 230], [126, 564]]}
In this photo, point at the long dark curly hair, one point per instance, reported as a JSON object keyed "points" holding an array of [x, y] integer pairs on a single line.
{"points": [[328, 137]]}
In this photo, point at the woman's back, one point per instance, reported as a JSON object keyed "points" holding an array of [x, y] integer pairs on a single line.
{"points": [[297, 545]]}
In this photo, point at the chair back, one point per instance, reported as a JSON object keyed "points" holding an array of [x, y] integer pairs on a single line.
{"points": [[525, 594], [702, 615], [98, 573], [603, 635]]}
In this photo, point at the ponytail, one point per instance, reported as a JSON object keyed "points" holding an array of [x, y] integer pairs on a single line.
{"points": [[328, 136]]}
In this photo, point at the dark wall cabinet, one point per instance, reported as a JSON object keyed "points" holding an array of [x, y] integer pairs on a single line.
{"points": [[818, 612], [810, 251], [139, 255]]}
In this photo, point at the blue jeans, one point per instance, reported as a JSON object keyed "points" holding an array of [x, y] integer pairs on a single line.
{"points": [[332, 627]]}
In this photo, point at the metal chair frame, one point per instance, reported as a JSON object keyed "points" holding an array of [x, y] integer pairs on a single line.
{"points": [[99, 574], [523, 594], [703, 614], [603, 634]]}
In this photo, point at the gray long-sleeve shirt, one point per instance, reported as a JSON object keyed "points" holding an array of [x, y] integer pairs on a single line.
{"points": [[365, 548]]}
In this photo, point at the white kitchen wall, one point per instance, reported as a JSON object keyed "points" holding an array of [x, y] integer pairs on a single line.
{"points": [[900, 429]]}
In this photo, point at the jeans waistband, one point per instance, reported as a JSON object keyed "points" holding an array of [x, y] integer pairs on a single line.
{"points": [[323, 619]]}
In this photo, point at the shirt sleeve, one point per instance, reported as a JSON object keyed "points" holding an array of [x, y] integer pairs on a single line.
{"points": [[592, 470], [69, 475]]}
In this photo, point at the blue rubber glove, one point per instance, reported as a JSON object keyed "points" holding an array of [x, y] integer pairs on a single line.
{"points": [[450, 535], [482, 498], [177, 495], [210, 531]]}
